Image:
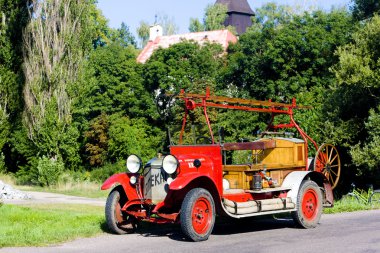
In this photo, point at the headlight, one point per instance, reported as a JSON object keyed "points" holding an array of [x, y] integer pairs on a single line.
{"points": [[170, 164], [133, 180], [134, 163]]}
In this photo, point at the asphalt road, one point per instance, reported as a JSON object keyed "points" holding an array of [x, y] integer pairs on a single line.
{"points": [[347, 232]]}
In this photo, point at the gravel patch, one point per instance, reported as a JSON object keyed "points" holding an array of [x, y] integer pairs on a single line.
{"points": [[8, 192]]}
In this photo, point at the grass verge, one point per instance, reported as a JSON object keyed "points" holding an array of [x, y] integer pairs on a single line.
{"points": [[48, 224], [349, 204]]}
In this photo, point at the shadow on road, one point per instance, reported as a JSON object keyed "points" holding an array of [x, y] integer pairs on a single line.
{"points": [[228, 226], [223, 226]]}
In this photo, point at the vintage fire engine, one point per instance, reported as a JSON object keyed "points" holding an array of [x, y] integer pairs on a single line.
{"points": [[194, 183]]}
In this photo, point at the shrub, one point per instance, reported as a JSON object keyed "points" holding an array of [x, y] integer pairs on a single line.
{"points": [[49, 170], [101, 174]]}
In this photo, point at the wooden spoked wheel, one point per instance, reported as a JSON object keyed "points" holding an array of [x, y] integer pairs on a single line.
{"points": [[327, 161]]}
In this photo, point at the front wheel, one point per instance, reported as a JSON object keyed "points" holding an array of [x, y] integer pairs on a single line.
{"points": [[198, 214], [309, 205], [118, 222]]}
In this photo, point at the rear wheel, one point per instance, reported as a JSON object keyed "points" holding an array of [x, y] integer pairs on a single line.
{"points": [[117, 221], [327, 161], [198, 214], [309, 205]]}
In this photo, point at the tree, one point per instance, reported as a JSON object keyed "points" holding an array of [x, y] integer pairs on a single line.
{"points": [[356, 99], [363, 9], [13, 18], [143, 33], [133, 136], [366, 154], [214, 17], [285, 55], [121, 36], [184, 65], [117, 84], [272, 16], [55, 44], [282, 56], [97, 140], [97, 25], [124, 36], [168, 24], [196, 25]]}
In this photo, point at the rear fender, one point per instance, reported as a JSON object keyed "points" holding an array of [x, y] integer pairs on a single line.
{"points": [[295, 179], [121, 179]]}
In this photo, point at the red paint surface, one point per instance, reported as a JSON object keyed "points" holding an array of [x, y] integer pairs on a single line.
{"points": [[211, 165], [123, 180], [310, 204], [201, 215]]}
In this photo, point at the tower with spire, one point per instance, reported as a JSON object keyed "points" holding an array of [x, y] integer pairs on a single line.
{"points": [[239, 14]]}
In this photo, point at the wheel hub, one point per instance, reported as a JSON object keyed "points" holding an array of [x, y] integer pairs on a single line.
{"points": [[309, 204], [199, 214], [328, 167]]}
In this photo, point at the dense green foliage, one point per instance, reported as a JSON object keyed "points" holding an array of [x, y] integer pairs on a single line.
{"points": [[13, 16], [363, 9], [84, 104], [357, 75], [214, 18]]}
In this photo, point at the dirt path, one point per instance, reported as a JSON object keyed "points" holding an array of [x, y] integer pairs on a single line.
{"points": [[51, 198]]}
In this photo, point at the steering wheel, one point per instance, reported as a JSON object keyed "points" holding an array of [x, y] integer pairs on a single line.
{"points": [[206, 140]]}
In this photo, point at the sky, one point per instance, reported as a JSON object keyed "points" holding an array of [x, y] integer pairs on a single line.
{"points": [[131, 12]]}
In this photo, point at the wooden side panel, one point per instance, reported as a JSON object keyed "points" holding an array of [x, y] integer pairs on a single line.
{"points": [[235, 178], [286, 154], [277, 177], [300, 157]]}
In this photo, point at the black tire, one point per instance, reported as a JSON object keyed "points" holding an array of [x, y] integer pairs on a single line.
{"points": [[118, 222], [198, 214], [309, 205]]}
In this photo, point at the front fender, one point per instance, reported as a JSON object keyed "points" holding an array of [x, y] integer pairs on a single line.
{"points": [[181, 182], [123, 180], [117, 179]]}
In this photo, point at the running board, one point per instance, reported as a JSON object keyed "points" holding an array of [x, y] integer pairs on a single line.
{"points": [[258, 207]]}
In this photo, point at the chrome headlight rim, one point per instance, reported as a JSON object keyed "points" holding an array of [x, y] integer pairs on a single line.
{"points": [[133, 163], [170, 164]]}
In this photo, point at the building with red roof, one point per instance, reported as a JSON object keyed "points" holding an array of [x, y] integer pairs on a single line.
{"points": [[222, 37]]}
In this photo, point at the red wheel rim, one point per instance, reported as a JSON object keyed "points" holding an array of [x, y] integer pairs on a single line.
{"points": [[119, 217], [327, 161], [310, 204], [201, 215]]}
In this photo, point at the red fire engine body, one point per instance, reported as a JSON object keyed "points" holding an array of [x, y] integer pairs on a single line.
{"points": [[194, 183]]}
